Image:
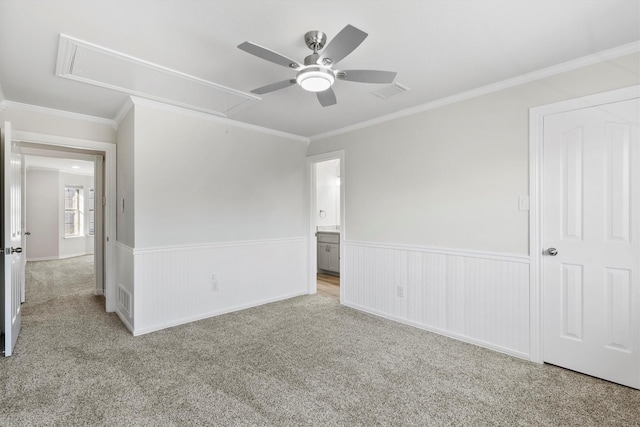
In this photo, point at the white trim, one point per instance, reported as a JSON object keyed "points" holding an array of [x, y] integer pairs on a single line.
{"points": [[313, 248], [109, 150], [59, 113], [126, 322], [521, 259], [154, 328], [536, 139], [494, 87], [68, 47], [120, 245], [77, 254], [122, 112], [200, 246], [63, 141], [40, 168], [438, 331], [44, 258], [206, 116], [3, 100]]}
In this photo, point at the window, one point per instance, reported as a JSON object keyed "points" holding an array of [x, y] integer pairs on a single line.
{"points": [[92, 206], [71, 211]]}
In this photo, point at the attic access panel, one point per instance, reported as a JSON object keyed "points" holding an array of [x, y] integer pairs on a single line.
{"points": [[89, 63]]}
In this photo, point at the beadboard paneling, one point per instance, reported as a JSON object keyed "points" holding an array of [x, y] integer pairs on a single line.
{"points": [[124, 280], [476, 297], [173, 285]]}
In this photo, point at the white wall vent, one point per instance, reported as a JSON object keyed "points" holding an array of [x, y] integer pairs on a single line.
{"points": [[89, 63], [124, 300], [388, 91]]}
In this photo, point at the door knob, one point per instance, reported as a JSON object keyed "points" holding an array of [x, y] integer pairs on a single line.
{"points": [[14, 250], [552, 251], [28, 233]]}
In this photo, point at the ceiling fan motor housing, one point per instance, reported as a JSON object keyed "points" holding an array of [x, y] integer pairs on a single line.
{"points": [[315, 40]]}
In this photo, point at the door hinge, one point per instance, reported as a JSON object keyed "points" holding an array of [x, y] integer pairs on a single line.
{"points": [[104, 201]]}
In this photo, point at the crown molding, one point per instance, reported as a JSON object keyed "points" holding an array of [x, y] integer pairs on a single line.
{"points": [[206, 116], [59, 113], [122, 112], [3, 102], [494, 87]]}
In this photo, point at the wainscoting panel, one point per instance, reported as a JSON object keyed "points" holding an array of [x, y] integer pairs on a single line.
{"points": [[176, 285], [476, 297], [124, 282]]}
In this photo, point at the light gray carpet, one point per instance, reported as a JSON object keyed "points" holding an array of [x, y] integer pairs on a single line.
{"points": [[304, 361], [45, 280]]}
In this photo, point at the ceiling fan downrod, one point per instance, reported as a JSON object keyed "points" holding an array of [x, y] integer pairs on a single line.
{"points": [[315, 40]]}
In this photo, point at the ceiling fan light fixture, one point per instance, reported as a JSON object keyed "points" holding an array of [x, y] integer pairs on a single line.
{"points": [[315, 79]]}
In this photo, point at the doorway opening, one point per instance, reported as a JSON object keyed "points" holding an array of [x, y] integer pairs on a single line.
{"points": [[62, 221], [327, 224], [103, 156], [16, 145]]}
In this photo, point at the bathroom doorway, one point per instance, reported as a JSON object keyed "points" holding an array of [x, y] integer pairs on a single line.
{"points": [[327, 222]]}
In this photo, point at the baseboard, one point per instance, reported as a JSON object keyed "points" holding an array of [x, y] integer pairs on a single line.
{"points": [[125, 321], [44, 258], [75, 255], [55, 258], [440, 332], [155, 328]]}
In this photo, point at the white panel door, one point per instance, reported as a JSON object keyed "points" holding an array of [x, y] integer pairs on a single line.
{"points": [[591, 217], [12, 235]]}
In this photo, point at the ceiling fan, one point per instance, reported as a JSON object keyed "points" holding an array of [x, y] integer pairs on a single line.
{"points": [[317, 74]]}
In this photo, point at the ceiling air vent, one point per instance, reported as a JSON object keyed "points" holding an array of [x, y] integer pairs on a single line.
{"points": [[388, 91]]}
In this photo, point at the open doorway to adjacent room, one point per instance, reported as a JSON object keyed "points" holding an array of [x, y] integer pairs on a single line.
{"points": [[63, 222], [328, 226]]}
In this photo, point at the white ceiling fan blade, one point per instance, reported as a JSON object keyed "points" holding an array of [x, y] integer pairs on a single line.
{"points": [[327, 97], [269, 55], [343, 44], [274, 86], [367, 76]]}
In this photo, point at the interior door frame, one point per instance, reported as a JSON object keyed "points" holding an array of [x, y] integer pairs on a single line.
{"points": [[312, 248], [109, 151], [536, 139]]}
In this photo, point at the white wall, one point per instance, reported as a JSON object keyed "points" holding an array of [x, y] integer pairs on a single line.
{"points": [[53, 122], [45, 215], [125, 217], [328, 192], [199, 181], [212, 199], [125, 181], [432, 207], [451, 176], [42, 214]]}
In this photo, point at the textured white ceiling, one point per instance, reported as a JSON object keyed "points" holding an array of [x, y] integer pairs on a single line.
{"points": [[438, 47]]}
